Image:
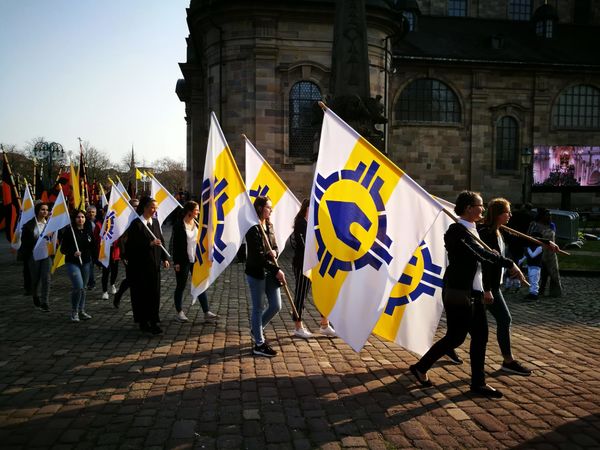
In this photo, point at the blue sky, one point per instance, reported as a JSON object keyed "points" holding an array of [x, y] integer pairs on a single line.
{"points": [[102, 70]]}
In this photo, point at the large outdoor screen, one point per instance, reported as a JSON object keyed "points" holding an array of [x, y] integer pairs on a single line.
{"points": [[566, 165]]}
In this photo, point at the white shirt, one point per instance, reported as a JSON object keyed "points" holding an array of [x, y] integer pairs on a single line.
{"points": [[478, 279], [40, 227], [192, 237]]}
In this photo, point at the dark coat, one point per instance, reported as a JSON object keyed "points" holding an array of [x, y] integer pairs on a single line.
{"points": [[143, 270], [28, 239], [180, 255], [463, 255], [85, 242], [257, 262], [299, 242]]}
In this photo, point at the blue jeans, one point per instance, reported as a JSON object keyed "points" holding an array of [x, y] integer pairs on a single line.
{"points": [[259, 318], [79, 276], [181, 278], [499, 310]]}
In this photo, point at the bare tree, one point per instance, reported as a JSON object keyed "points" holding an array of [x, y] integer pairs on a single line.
{"points": [[171, 174]]}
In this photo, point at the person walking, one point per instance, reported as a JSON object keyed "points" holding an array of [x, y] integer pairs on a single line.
{"points": [[463, 295], [302, 282], [498, 213], [544, 227], [90, 225], [78, 246], [263, 275], [144, 255], [185, 236], [121, 243], [40, 269]]}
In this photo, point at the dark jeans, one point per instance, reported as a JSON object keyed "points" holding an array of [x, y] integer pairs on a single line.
{"points": [[113, 271], [301, 291], [499, 309], [181, 278], [462, 320]]}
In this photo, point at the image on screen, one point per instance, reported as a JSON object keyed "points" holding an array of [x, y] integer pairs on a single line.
{"points": [[566, 165]]}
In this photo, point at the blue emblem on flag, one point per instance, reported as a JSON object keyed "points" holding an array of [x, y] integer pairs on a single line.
{"points": [[341, 200], [220, 198]]}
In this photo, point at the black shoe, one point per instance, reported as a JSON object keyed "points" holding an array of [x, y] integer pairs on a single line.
{"points": [[44, 307], [423, 382], [516, 368], [144, 326], [264, 350], [452, 356], [117, 299], [155, 329], [487, 391], [36, 302]]}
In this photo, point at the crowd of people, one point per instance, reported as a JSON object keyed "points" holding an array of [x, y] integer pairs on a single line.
{"points": [[482, 256]]}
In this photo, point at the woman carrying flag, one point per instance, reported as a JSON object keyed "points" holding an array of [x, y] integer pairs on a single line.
{"points": [[78, 246], [263, 275]]}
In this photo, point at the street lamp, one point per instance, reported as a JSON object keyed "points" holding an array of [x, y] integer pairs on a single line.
{"points": [[526, 160], [48, 151]]}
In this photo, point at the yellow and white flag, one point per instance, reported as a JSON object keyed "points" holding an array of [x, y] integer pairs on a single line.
{"points": [[122, 189], [27, 213], [226, 212], [413, 311], [366, 219], [103, 199], [165, 201], [119, 216], [59, 218], [261, 179]]}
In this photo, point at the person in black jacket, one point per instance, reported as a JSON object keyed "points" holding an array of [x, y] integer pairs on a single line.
{"points": [[302, 282], [185, 236], [463, 295], [78, 246], [143, 256], [263, 275], [39, 270]]}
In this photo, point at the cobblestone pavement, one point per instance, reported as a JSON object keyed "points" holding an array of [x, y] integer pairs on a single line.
{"points": [[104, 384]]}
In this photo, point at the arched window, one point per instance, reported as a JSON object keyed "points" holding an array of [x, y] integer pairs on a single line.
{"points": [[507, 143], [519, 9], [457, 8], [577, 107], [428, 100], [302, 127]]}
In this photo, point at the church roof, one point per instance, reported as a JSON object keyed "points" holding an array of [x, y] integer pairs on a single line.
{"points": [[471, 40]]}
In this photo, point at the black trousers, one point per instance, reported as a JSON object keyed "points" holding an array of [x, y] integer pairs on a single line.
{"points": [[301, 291], [462, 320], [113, 271]]}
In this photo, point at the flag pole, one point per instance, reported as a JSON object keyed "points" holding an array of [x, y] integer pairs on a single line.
{"points": [[529, 238], [285, 285], [139, 217]]}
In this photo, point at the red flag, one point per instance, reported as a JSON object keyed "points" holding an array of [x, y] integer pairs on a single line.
{"points": [[11, 203]]}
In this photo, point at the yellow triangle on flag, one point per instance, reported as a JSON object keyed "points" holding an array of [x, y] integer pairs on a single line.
{"points": [[59, 260]]}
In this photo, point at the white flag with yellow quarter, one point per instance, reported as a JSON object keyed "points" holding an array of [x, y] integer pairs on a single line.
{"points": [[226, 212], [27, 213], [413, 311], [366, 219], [119, 216], [59, 218], [103, 199], [262, 180], [166, 203], [122, 189]]}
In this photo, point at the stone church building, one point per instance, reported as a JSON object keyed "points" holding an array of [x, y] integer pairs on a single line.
{"points": [[465, 85]]}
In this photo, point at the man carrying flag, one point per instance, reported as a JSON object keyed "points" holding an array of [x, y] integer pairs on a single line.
{"points": [[39, 271], [366, 219], [27, 214], [226, 212]]}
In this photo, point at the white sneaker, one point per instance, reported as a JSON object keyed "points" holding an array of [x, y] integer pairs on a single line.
{"points": [[112, 290], [105, 296], [303, 333], [328, 331], [74, 317], [181, 317], [210, 316], [84, 316]]}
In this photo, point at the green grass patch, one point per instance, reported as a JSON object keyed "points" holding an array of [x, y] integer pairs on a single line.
{"points": [[581, 259]]}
